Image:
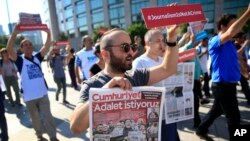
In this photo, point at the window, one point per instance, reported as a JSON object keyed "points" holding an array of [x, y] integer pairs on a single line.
{"points": [[97, 17], [82, 20], [68, 12], [117, 12], [66, 2], [136, 9], [69, 24], [110, 2], [165, 2], [80, 7], [94, 4]]}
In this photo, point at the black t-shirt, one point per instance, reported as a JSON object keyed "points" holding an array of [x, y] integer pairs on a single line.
{"points": [[95, 69], [71, 64], [139, 77]]}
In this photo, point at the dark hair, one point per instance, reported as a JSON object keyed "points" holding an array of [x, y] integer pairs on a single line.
{"points": [[97, 49], [72, 50], [240, 35], [225, 19]]}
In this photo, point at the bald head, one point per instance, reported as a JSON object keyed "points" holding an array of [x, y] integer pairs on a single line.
{"points": [[113, 37]]}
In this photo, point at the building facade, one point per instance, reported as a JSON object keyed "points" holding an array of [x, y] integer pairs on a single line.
{"points": [[80, 17]]}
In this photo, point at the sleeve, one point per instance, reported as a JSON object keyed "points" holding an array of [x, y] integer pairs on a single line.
{"points": [[214, 42], [77, 61], [84, 93], [19, 63], [39, 56], [141, 77]]}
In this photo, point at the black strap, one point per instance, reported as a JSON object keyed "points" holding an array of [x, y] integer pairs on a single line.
{"points": [[32, 60]]}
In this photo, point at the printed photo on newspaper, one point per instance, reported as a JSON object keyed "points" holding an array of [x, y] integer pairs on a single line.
{"points": [[117, 115], [179, 94], [197, 28]]}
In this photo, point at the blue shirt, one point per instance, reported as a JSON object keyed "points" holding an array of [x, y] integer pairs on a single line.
{"points": [[224, 61]]}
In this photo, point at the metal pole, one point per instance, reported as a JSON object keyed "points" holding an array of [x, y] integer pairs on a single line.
{"points": [[8, 13]]}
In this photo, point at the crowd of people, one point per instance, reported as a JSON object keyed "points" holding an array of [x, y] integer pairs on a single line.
{"points": [[116, 61]]}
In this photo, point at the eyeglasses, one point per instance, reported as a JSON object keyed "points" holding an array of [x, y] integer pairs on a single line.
{"points": [[126, 47]]}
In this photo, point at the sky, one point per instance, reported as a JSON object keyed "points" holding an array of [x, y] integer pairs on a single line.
{"points": [[17, 6]]}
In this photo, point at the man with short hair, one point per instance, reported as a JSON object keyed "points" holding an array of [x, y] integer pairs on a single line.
{"points": [[140, 47], [117, 52], [225, 73], [35, 90], [85, 59], [154, 41]]}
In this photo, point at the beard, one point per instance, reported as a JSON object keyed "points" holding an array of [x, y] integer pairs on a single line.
{"points": [[118, 65]]}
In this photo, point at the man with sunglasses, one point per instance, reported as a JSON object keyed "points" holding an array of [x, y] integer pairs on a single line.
{"points": [[118, 56]]}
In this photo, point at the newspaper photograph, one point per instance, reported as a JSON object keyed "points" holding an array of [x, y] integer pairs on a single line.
{"points": [[27, 18], [197, 28], [117, 115], [179, 101]]}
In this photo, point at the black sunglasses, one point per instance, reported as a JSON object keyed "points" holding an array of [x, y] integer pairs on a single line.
{"points": [[126, 47]]}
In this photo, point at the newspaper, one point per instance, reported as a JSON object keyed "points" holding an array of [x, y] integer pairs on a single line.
{"points": [[117, 115], [30, 22], [27, 18], [179, 100]]}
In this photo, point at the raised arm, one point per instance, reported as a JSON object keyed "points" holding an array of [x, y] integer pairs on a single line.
{"points": [[46, 46], [235, 27], [11, 43]]}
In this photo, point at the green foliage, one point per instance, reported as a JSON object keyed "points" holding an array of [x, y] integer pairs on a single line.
{"points": [[183, 28], [3, 40], [98, 32], [63, 37], [246, 27], [137, 29], [19, 39]]}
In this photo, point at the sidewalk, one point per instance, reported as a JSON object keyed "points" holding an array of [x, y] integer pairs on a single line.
{"points": [[20, 128]]}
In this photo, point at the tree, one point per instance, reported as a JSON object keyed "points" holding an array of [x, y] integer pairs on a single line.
{"points": [[3, 41], [63, 37], [137, 29], [98, 32], [246, 27]]}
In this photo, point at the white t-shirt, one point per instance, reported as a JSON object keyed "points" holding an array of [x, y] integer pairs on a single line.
{"points": [[32, 80], [203, 59], [144, 61], [85, 59]]}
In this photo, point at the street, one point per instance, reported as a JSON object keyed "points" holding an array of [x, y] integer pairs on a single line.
{"points": [[20, 128]]}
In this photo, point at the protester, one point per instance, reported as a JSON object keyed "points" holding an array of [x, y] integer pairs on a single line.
{"points": [[9, 73], [85, 59], [35, 90], [225, 73], [3, 123], [118, 56], [198, 97], [203, 58], [154, 41], [241, 43], [71, 67], [57, 65], [140, 47], [99, 65]]}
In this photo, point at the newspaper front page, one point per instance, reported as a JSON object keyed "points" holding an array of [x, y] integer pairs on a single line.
{"points": [[179, 99], [117, 115]]}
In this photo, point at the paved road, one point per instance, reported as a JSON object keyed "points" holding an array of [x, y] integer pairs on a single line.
{"points": [[20, 125]]}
